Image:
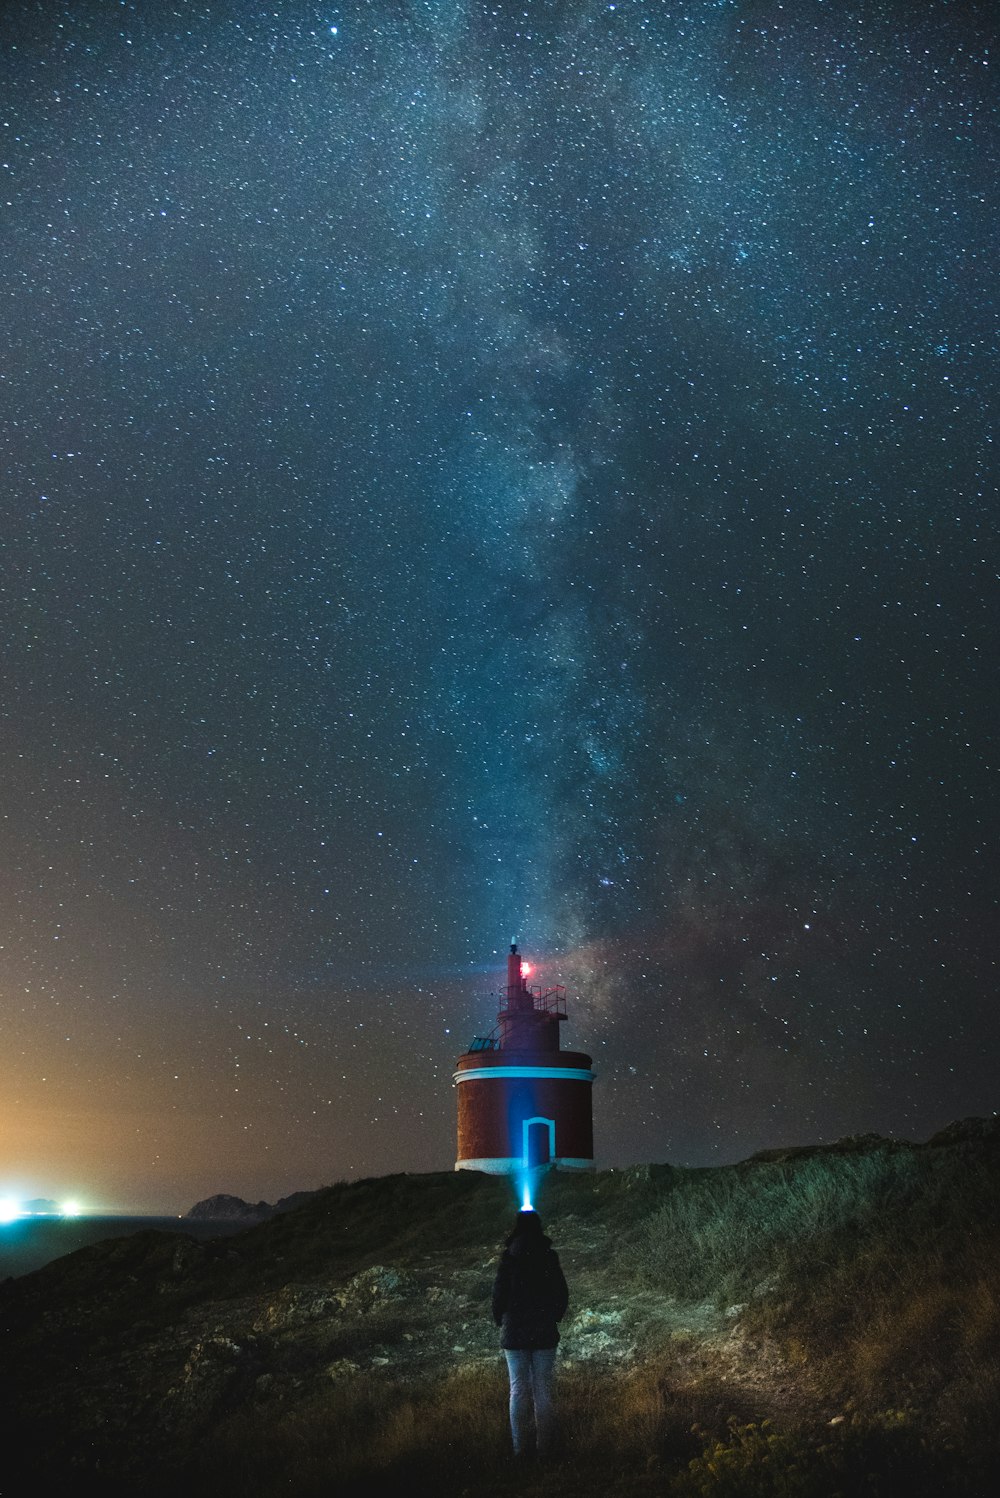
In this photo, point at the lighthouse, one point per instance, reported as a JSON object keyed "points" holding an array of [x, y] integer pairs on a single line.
{"points": [[524, 1104]]}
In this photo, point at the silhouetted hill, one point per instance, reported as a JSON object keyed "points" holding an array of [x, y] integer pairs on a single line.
{"points": [[235, 1209], [41, 1205], [848, 1294]]}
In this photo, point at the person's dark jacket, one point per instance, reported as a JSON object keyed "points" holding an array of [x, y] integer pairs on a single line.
{"points": [[529, 1294]]}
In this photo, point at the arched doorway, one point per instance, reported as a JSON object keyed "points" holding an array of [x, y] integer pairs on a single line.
{"points": [[539, 1142]]}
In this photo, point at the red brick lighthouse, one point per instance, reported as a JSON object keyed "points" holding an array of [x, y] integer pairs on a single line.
{"points": [[522, 1102]]}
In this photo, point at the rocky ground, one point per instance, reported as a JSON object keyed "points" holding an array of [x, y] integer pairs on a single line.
{"points": [[127, 1357], [168, 1349]]}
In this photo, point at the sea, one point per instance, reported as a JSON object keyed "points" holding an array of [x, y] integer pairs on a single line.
{"points": [[29, 1243]]}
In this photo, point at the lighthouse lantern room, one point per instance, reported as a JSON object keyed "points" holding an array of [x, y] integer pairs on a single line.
{"points": [[524, 1104]]}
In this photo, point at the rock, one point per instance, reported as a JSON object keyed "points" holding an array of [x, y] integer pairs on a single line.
{"points": [[376, 1286], [591, 1321], [218, 1371], [599, 1346], [295, 1305], [592, 1334]]}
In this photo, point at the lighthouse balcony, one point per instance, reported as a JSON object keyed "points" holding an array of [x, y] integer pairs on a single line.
{"points": [[547, 1001]]}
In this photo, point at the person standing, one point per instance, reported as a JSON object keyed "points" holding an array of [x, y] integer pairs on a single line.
{"points": [[529, 1299]]}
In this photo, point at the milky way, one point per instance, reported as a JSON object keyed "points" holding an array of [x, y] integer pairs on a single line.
{"points": [[475, 471]]}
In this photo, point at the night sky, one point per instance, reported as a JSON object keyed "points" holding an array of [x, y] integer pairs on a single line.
{"points": [[472, 471]]}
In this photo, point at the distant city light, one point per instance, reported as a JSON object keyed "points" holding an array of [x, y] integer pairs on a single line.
{"points": [[12, 1209]]}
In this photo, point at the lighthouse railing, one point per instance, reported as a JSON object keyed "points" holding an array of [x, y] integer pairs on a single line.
{"points": [[543, 1001]]}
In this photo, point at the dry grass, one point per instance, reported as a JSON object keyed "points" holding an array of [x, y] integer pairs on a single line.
{"points": [[630, 1434], [884, 1266], [367, 1433], [728, 1233]]}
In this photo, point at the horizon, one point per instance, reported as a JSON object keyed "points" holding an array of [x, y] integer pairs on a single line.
{"points": [[148, 1210]]}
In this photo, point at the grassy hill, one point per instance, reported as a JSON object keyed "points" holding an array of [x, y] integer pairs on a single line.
{"points": [[807, 1323]]}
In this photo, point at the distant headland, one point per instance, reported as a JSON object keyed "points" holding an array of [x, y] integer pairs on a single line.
{"points": [[224, 1208]]}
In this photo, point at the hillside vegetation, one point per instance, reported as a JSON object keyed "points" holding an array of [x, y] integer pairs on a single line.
{"points": [[808, 1323]]}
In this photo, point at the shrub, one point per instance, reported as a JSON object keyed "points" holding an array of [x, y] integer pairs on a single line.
{"points": [[880, 1457]]}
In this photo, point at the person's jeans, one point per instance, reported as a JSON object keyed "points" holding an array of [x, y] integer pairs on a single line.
{"points": [[531, 1393]]}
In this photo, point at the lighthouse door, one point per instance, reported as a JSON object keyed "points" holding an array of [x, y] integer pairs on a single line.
{"points": [[539, 1141]]}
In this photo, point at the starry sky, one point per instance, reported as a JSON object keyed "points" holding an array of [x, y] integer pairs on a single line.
{"points": [[476, 470]]}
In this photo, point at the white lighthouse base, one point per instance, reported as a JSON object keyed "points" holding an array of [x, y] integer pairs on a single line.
{"points": [[512, 1165]]}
